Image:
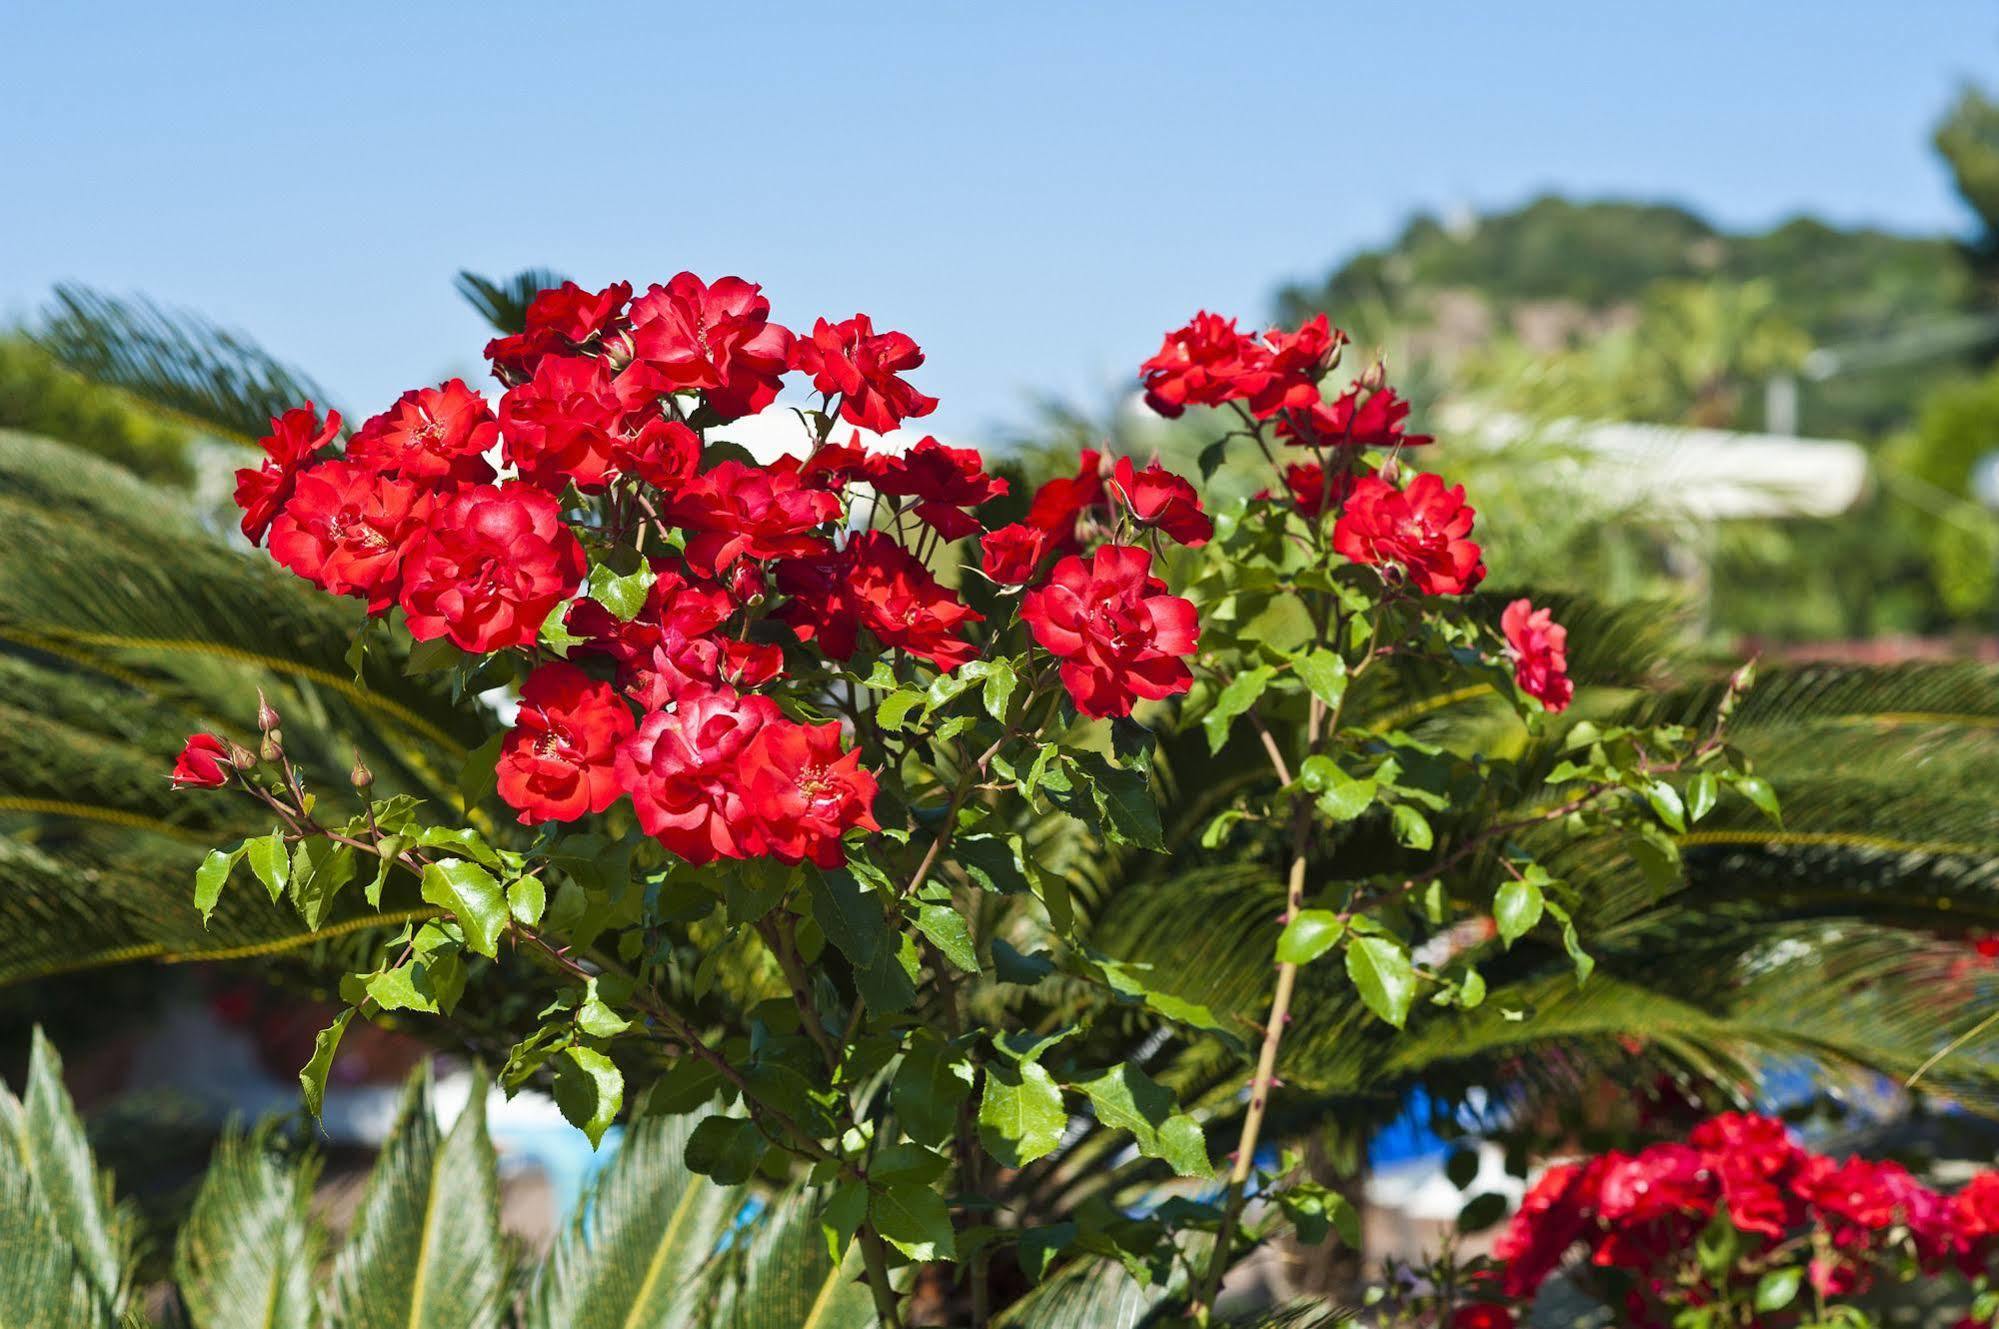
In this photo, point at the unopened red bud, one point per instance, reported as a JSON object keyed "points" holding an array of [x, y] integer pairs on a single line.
{"points": [[267, 715]]}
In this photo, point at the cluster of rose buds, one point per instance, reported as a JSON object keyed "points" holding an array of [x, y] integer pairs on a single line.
{"points": [[1848, 1221]]}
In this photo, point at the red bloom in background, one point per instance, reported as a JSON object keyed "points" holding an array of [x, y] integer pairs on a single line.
{"points": [[1287, 378], [1553, 1216], [561, 425], [762, 512], [1975, 1209], [430, 435], [943, 480], [290, 446], [346, 528], [558, 761], [1538, 647], [559, 319], [203, 763], [875, 583], [1203, 364], [1061, 502], [1158, 497], [1421, 530], [1483, 1315], [837, 465], [1351, 421], [493, 563], [718, 339], [1119, 635], [863, 368], [1661, 1181], [681, 768], [805, 793], [1865, 1193], [1310, 494], [1010, 554]]}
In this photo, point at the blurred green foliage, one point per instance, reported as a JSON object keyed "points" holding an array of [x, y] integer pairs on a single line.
{"points": [[39, 396]]}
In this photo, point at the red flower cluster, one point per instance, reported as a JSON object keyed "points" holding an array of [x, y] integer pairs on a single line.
{"points": [[493, 563], [1420, 530], [203, 763], [556, 763], [1119, 635], [1539, 649], [863, 368], [1642, 1212]]}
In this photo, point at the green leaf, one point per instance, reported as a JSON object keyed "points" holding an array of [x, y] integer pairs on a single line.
{"points": [[1325, 673], [1010, 966], [320, 869], [271, 861], [1583, 961], [1412, 829], [1701, 795], [726, 1149], [1758, 791], [1309, 934], [209, 879], [929, 1085], [1240, 694], [1481, 1212], [850, 914], [596, 1019], [1341, 797], [388, 849], [527, 898], [948, 932], [425, 1249], [312, 1078], [433, 978], [622, 594], [248, 1256], [1126, 1098], [1020, 1113], [1516, 908], [913, 1218], [891, 711], [589, 1089], [1381, 973], [1778, 1288], [992, 862], [473, 897], [998, 690], [1124, 798], [1665, 801]]}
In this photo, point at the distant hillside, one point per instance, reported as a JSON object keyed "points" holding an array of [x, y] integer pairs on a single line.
{"points": [[1557, 270]]}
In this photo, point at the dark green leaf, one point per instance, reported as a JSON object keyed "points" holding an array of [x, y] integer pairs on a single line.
{"points": [[312, 1079], [589, 1089], [473, 897], [1020, 1113]]}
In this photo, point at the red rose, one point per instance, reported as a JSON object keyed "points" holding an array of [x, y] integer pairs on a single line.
{"points": [[681, 768], [837, 465], [663, 453], [673, 604], [680, 665], [1157, 497], [1205, 363], [295, 437], [943, 480], [849, 359], [559, 760], [1661, 1181], [762, 512], [1310, 494], [1538, 647], [1553, 1216], [495, 561], [561, 425], [1975, 1208], [1061, 502], [1483, 1315], [430, 435], [1118, 634], [1422, 531], [875, 583], [805, 793], [718, 339], [1287, 376], [1861, 1192], [203, 764], [1010, 554], [559, 320], [1349, 421], [346, 529]]}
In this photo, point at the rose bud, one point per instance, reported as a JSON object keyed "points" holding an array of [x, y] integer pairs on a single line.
{"points": [[203, 763], [267, 716]]}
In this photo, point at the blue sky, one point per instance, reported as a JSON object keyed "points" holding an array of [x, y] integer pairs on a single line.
{"points": [[1034, 191]]}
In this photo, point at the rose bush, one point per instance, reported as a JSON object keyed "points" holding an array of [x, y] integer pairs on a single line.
{"points": [[818, 704]]}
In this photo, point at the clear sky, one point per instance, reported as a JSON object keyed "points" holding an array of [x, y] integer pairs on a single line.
{"points": [[1035, 191]]}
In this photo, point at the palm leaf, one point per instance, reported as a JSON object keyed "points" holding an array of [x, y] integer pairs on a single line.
{"points": [[41, 1283], [215, 379], [504, 303], [248, 1255], [629, 1258]]}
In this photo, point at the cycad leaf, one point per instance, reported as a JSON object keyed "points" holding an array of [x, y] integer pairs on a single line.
{"points": [[180, 362], [780, 1276], [41, 1283], [1089, 1294], [425, 1250], [45, 1145], [629, 1258], [248, 1254], [504, 303]]}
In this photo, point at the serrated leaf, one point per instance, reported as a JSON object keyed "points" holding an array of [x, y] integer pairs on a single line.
{"points": [[999, 686], [950, 934], [1411, 827], [312, 1076], [1020, 1113], [388, 849], [1126, 1098], [1516, 908], [623, 595], [1124, 799], [1010, 966], [1382, 974], [893, 710], [320, 869], [527, 898], [474, 898], [1324, 673], [1701, 796], [589, 1089], [209, 880], [1240, 694], [271, 861], [726, 1149], [1758, 791], [1665, 801], [1309, 934], [929, 1085], [914, 1219]]}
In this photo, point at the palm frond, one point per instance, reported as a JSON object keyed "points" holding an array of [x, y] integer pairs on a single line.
{"points": [[248, 1255], [504, 302], [179, 362]]}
